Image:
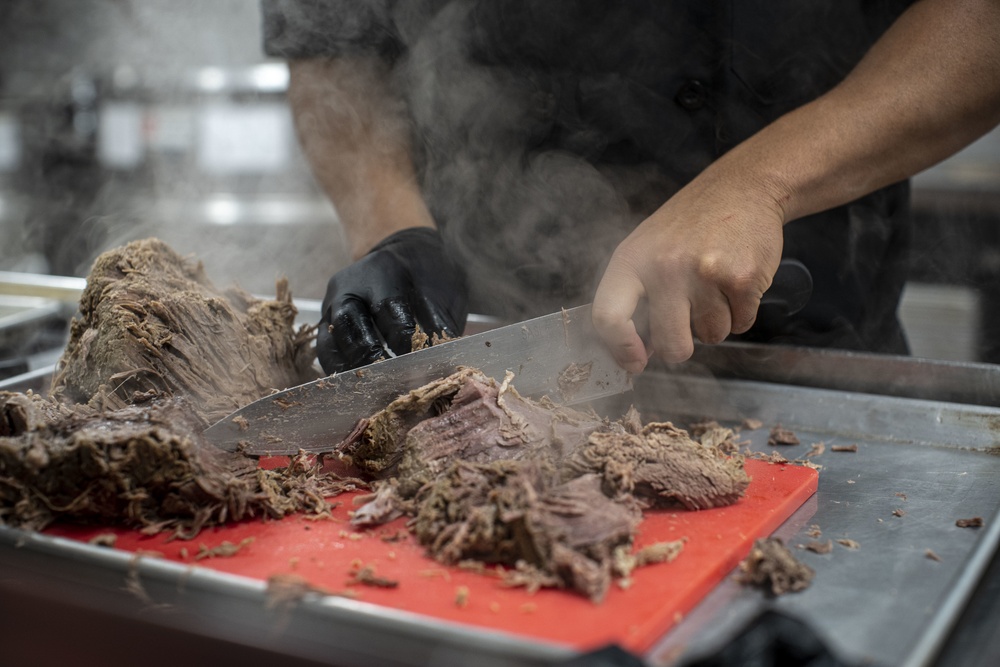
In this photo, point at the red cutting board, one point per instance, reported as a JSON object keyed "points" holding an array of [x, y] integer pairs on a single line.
{"points": [[323, 551]]}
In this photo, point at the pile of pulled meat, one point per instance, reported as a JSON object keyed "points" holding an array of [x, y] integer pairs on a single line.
{"points": [[556, 493], [156, 354]]}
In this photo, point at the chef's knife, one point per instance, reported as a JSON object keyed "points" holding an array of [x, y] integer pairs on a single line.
{"points": [[558, 355]]}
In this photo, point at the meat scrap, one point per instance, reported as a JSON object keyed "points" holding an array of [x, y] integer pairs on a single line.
{"points": [[224, 550], [817, 449], [285, 591], [770, 565], [573, 378], [974, 522], [844, 448], [662, 467], [365, 576], [554, 492], [782, 436], [713, 434], [104, 540], [816, 546]]}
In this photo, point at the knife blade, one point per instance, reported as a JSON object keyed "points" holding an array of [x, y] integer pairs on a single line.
{"points": [[558, 355]]}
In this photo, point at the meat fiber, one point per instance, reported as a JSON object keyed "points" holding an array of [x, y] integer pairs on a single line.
{"points": [[662, 466], [146, 467], [156, 354], [555, 492], [152, 324], [465, 417], [521, 513]]}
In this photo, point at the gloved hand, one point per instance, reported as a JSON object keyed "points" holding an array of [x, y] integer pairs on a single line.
{"points": [[405, 280]]}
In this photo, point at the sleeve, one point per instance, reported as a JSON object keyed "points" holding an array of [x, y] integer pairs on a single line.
{"points": [[309, 28]]}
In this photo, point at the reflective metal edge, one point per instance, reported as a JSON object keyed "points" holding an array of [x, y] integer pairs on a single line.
{"points": [[239, 609], [947, 614], [911, 377]]}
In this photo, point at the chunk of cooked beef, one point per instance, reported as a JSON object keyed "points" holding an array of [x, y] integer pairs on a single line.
{"points": [[520, 512], [469, 417], [141, 466], [152, 324], [662, 466]]}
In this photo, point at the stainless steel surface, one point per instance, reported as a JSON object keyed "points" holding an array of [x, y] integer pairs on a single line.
{"points": [[319, 415], [885, 602]]}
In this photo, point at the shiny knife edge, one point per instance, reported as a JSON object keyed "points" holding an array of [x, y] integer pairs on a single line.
{"points": [[538, 352]]}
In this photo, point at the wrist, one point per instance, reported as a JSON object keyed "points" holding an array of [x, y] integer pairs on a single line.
{"points": [[393, 210], [749, 183], [412, 236]]}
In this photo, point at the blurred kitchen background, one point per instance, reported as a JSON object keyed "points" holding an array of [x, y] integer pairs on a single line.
{"points": [[122, 119]]}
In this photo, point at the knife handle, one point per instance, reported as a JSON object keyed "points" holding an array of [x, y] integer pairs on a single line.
{"points": [[790, 290]]}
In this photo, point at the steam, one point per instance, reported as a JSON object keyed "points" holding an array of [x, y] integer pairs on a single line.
{"points": [[532, 223]]}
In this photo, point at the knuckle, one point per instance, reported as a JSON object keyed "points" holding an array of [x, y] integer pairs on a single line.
{"points": [[710, 334], [712, 327], [603, 317], [743, 325], [673, 348]]}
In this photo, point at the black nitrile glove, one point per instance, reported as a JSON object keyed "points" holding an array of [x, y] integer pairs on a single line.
{"points": [[405, 280]]}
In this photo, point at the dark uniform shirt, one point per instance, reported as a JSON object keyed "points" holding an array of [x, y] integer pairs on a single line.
{"points": [[544, 132]]}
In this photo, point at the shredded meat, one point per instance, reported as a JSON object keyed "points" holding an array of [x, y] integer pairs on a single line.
{"points": [[555, 492], [152, 324], [142, 466]]}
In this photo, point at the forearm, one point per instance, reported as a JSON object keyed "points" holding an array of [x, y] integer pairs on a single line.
{"points": [[928, 88], [355, 136]]}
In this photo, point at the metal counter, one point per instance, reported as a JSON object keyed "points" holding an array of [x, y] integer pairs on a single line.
{"points": [[887, 602]]}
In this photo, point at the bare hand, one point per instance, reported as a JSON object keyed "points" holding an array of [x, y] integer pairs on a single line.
{"points": [[702, 261]]}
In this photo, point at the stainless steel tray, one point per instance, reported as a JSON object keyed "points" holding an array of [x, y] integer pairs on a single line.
{"points": [[886, 602]]}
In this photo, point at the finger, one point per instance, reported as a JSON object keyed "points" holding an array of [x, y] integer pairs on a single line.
{"points": [[615, 303], [434, 318], [326, 350], [743, 297], [396, 323], [354, 335], [711, 319], [743, 309], [670, 328]]}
